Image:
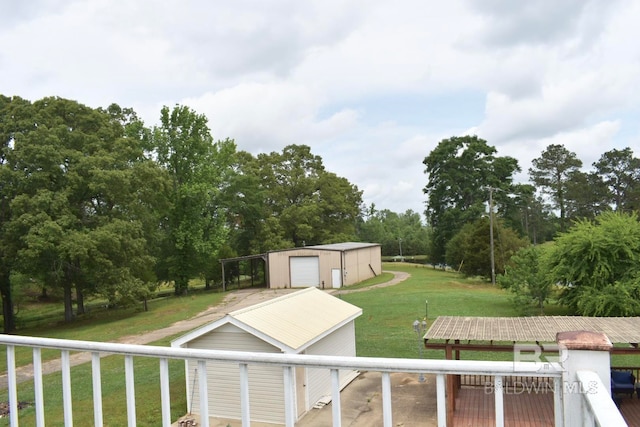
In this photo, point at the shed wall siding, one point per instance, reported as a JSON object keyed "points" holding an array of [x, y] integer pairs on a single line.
{"points": [[266, 386], [339, 343]]}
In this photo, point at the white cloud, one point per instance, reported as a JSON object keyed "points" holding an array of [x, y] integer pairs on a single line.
{"points": [[289, 72], [266, 117]]}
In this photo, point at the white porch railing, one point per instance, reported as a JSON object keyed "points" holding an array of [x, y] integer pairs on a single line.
{"points": [[600, 409], [288, 362]]}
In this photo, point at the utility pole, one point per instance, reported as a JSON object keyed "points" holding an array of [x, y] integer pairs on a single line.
{"points": [[493, 263]]}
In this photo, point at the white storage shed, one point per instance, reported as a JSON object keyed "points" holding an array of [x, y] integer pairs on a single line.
{"points": [[309, 321]]}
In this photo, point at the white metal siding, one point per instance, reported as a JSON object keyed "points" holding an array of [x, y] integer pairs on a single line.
{"points": [[305, 271], [340, 343], [266, 389]]}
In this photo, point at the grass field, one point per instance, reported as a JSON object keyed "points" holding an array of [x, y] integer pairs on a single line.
{"points": [[110, 325], [384, 330]]}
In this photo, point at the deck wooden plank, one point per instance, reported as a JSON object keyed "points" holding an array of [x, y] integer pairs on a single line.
{"points": [[475, 407]]}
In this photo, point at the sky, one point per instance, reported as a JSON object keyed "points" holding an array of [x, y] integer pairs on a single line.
{"points": [[371, 86]]}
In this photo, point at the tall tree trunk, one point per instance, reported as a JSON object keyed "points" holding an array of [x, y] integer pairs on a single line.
{"points": [[68, 304], [79, 300], [7, 303], [181, 285], [68, 301]]}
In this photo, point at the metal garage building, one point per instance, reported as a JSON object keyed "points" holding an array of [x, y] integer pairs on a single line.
{"points": [[308, 321], [324, 266]]}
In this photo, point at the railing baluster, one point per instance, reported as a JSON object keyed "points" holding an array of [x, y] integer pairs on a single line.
{"points": [[66, 388], [96, 378], [441, 400], [386, 400], [12, 384], [130, 390], [498, 396], [244, 395], [37, 386], [165, 395], [335, 398], [289, 407], [204, 395]]}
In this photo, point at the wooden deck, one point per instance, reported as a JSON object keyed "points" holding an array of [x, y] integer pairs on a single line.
{"points": [[476, 408], [630, 409]]}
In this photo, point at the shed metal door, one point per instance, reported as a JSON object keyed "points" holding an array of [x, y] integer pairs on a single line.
{"points": [[305, 271]]}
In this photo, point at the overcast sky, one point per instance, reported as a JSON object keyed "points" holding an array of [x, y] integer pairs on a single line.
{"points": [[371, 86]]}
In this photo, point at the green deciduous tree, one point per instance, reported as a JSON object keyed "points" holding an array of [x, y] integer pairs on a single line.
{"points": [[395, 232], [77, 210], [470, 250], [199, 169], [551, 172], [303, 203], [527, 278], [597, 260], [460, 171], [14, 117]]}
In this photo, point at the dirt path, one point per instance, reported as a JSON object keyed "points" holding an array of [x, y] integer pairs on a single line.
{"points": [[234, 301]]}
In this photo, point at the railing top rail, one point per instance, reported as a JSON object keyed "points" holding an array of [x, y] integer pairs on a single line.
{"points": [[339, 362], [599, 401]]}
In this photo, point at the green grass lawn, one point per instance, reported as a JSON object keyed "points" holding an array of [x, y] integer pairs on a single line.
{"points": [[385, 328], [147, 389], [110, 325]]}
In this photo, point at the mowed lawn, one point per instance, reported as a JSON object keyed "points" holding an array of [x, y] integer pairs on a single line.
{"points": [[385, 328]]}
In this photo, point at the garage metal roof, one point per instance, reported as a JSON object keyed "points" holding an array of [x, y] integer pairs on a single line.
{"points": [[532, 329], [291, 322], [345, 246]]}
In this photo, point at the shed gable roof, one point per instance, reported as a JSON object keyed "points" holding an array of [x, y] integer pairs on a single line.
{"points": [[291, 322]]}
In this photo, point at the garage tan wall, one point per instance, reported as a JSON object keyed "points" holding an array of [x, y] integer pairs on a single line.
{"points": [[357, 264], [279, 274]]}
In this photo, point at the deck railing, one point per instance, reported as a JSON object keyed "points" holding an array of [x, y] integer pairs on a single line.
{"points": [[440, 368], [600, 408]]}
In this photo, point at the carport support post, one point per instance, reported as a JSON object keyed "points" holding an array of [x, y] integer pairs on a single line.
{"points": [[458, 382], [581, 351], [224, 283], [451, 397]]}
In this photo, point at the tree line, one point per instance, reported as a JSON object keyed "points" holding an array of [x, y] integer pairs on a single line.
{"points": [[472, 196], [93, 203]]}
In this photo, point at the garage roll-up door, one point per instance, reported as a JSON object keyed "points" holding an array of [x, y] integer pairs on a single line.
{"points": [[305, 271]]}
